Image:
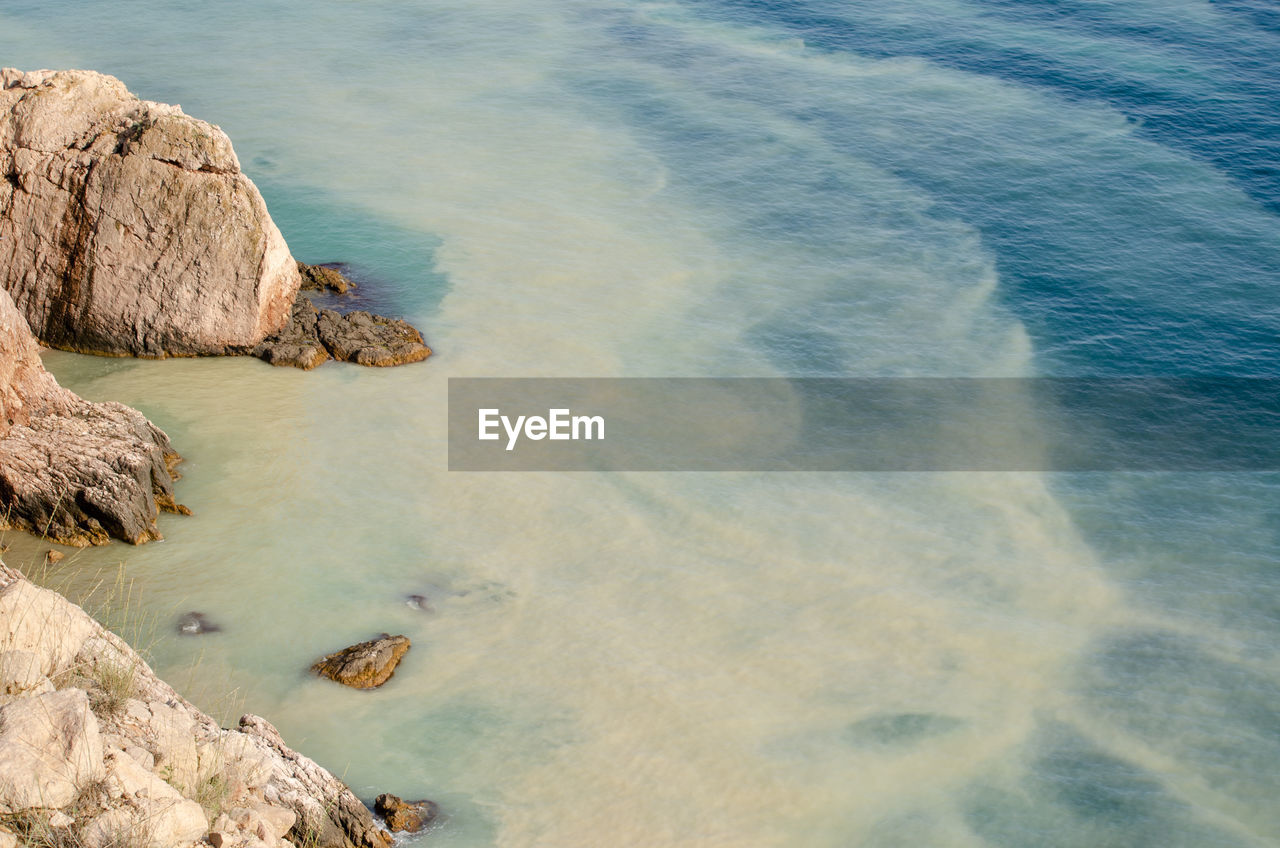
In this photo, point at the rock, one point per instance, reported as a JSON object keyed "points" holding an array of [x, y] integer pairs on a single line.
{"points": [[326, 809], [278, 820], [263, 822], [59, 820], [366, 665], [171, 734], [371, 340], [7, 839], [53, 557], [147, 822], [43, 624], [155, 809], [74, 472], [298, 344], [152, 752], [195, 623], [114, 827], [49, 749], [141, 756], [405, 816], [251, 763], [127, 227], [418, 602], [314, 335], [20, 672], [324, 278]]}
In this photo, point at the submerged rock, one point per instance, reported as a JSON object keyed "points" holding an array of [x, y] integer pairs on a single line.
{"points": [[405, 816], [127, 227], [195, 623], [366, 665], [324, 278], [313, 335]]}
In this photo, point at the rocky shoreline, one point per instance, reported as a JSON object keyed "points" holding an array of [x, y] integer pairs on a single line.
{"points": [[75, 472], [128, 229], [96, 751]]}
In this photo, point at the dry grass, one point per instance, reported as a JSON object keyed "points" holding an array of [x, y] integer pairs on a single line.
{"points": [[34, 829], [111, 686], [211, 793]]}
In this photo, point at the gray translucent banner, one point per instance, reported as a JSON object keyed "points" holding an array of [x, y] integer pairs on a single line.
{"points": [[821, 424]]}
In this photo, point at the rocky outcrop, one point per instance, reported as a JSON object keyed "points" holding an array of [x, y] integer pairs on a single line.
{"points": [[324, 805], [313, 336], [366, 665], [75, 472], [326, 278], [127, 227], [405, 816], [298, 344], [95, 746]]}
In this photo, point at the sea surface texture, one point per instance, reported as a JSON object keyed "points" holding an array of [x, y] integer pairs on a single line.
{"points": [[730, 188]]}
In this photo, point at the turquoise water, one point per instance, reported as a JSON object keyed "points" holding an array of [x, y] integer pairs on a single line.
{"points": [[937, 187]]}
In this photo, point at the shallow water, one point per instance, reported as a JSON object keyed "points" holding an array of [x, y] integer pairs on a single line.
{"points": [[729, 189]]}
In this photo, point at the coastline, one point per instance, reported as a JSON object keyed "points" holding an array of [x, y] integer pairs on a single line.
{"points": [[705, 190], [94, 747]]}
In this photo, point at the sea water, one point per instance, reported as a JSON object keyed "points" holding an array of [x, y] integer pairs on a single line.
{"points": [[729, 188]]}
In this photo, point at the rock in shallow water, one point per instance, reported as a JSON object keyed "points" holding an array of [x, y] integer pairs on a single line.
{"points": [[314, 335], [298, 344], [405, 816], [195, 623], [324, 278], [367, 339], [366, 665]]}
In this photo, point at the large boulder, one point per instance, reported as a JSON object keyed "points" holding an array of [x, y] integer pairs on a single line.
{"points": [[127, 227], [73, 471]]}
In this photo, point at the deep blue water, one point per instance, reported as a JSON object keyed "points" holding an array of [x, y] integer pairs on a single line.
{"points": [[1109, 267]]}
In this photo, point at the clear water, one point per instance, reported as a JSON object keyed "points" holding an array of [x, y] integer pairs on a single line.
{"points": [[732, 188]]}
